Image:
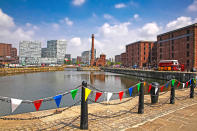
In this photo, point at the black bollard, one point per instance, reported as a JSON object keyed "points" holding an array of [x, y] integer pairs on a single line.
{"points": [[154, 96], [84, 108], [192, 89], [172, 95], [141, 98]]}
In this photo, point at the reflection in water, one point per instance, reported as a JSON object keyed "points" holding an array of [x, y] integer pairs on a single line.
{"points": [[35, 86]]}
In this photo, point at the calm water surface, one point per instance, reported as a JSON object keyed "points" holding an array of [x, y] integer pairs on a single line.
{"points": [[35, 86]]}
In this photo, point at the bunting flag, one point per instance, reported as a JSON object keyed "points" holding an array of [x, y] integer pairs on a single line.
{"points": [[186, 84], [37, 104], [162, 88], [190, 82], [173, 81], [130, 90], [15, 103], [167, 85], [144, 83], [183, 85], [74, 93], [57, 100], [121, 94], [156, 89], [178, 84], [87, 92], [138, 87], [150, 86], [98, 94], [109, 95]]}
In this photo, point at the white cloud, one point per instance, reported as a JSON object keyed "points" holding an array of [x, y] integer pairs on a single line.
{"points": [[193, 6], [76, 41], [107, 16], [28, 24], [150, 29], [136, 16], [10, 33], [179, 22], [120, 5], [68, 21], [5, 20], [78, 2]]}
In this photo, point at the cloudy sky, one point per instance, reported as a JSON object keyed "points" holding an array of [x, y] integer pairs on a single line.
{"points": [[115, 23]]}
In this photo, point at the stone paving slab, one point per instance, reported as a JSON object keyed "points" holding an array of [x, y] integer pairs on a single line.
{"points": [[178, 116]]}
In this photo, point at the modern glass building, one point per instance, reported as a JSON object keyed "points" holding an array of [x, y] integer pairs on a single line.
{"points": [[29, 52]]}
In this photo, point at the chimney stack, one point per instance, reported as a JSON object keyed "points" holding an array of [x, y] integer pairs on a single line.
{"points": [[92, 52]]}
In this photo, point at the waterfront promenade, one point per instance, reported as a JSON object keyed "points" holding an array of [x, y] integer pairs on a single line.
{"points": [[163, 116]]}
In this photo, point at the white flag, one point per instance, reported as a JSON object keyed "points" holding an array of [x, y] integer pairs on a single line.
{"points": [[156, 89], [108, 96], [183, 85], [15, 103]]}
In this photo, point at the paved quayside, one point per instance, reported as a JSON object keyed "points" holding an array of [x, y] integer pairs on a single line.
{"points": [[179, 116]]}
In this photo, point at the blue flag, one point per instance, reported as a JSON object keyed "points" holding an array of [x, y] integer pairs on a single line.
{"points": [[57, 100], [130, 90], [167, 85], [190, 82]]}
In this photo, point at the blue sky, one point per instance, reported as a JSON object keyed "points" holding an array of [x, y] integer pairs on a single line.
{"points": [[115, 23]]}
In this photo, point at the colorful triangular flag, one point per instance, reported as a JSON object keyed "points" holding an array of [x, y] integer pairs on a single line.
{"points": [[98, 94], [138, 87], [178, 84], [130, 90], [162, 88], [57, 100], [74, 93], [190, 82], [156, 89], [167, 85], [87, 93], [186, 84], [15, 103], [109, 95], [173, 81], [144, 83], [150, 86], [121, 94], [183, 85], [37, 104]]}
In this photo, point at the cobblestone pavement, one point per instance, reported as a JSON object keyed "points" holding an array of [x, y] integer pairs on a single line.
{"points": [[162, 116]]}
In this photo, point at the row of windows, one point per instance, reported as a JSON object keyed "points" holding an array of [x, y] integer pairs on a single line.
{"points": [[172, 35]]}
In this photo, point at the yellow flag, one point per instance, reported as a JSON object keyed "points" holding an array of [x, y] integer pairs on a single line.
{"points": [[144, 83], [87, 92]]}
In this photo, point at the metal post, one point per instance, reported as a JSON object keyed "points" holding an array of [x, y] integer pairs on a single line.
{"points": [[172, 95], [141, 98], [192, 89], [84, 108]]}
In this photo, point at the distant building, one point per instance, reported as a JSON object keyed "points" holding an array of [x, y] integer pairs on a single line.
{"points": [[179, 44], [117, 58], [74, 60], [78, 59], [8, 55], [123, 58], [29, 52], [55, 49], [139, 53], [101, 61], [68, 56], [86, 56], [48, 61]]}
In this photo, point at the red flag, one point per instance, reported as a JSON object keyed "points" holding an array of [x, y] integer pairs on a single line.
{"points": [[98, 94], [162, 88], [37, 104], [121, 94], [178, 84], [186, 84], [150, 86]]}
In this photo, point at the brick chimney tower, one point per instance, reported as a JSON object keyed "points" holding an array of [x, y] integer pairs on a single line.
{"points": [[92, 52]]}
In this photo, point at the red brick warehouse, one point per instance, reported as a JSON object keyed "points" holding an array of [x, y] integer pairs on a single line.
{"points": [[179, 44]]}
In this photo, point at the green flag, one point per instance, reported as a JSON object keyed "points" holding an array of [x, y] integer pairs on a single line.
{"points": [[138, 87], [173, 81], [73, 93]]}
